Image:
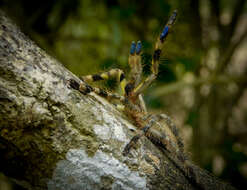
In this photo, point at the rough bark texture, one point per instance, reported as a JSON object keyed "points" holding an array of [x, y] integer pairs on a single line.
{"points": [[56, 138]]}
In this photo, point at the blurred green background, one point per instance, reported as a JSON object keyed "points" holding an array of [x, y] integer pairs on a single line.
{"points": [[203, 71]]}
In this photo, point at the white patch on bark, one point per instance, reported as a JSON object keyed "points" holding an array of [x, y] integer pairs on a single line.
{"points": [[103, 131], [79, 171]]}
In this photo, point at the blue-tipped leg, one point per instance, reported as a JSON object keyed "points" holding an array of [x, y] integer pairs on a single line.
{"points": [[164, 33], [168, 25], [138, 47], [133, 48]]}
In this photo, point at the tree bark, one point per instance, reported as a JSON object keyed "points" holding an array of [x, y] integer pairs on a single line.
{"points": [[52, 137]]}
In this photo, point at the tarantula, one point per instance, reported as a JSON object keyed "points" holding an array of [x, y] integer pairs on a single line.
{"points": [[164, 136]]}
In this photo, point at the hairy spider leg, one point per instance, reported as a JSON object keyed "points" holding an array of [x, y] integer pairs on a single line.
{"points": [[113, 73], [135, 72], [135, 62], [173, 129], [139, 74], [181, 154], [85, 88], [156, 56], [162, 139], [135, 139]]}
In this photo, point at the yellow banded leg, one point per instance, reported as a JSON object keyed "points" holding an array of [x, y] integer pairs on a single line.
{"points": [[135, 63], [156, 55], [85, 88], [135, 68], [136, 72], [113, 73]]}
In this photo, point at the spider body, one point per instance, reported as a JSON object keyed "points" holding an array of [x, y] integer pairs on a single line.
{"points": [[163, 135]]}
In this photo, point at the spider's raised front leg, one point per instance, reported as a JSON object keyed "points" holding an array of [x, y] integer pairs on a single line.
{"points": [[135, 73], [156, 55], [135, 63]]}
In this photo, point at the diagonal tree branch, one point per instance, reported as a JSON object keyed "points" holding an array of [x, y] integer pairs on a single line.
{"points": [[52, 137]]}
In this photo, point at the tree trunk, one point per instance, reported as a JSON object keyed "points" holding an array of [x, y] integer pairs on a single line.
{"points": [[52, 137]]}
